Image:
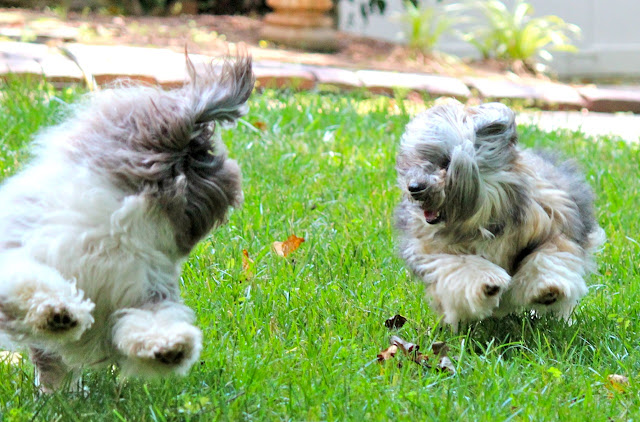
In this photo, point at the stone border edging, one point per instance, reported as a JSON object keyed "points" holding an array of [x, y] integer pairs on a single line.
{"points": [[82, 63]]}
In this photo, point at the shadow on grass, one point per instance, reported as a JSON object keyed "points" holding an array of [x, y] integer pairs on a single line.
{"points": [[514, 335]]}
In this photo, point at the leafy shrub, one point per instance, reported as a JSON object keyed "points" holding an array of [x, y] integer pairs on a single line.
{"points": [[515, 35], [426, 24]]}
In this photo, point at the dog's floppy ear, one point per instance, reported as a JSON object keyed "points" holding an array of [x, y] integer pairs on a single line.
{"points": [[495, 129], [462, 183], [494, 120]]}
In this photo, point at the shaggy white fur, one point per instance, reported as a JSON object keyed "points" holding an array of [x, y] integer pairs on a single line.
{"points": [[94, 231]]}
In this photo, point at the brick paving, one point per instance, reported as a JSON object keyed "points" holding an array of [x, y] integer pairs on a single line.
{"points": [[80, 63]]}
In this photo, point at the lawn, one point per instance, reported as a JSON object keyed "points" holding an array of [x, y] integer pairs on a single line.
{"points": [[296, 338]]}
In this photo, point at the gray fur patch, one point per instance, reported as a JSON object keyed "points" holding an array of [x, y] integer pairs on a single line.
{"points": [[568, 177], [462, 187], [163, 145]]}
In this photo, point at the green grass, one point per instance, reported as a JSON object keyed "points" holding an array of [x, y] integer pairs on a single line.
{"points": [[299, 340]]}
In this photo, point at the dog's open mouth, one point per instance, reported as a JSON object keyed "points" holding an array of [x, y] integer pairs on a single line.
{"points": [[432, 217]]}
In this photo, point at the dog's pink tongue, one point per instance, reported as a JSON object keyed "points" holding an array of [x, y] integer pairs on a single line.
{"points": [[430, 216]]}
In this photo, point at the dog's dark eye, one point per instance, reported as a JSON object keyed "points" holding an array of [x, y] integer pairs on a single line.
{"points": [[491, 130], [445, 163]]}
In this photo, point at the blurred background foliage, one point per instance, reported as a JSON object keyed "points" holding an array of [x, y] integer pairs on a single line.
{"points": [[149, 7]]}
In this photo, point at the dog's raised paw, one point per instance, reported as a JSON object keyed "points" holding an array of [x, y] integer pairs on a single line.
{"points": [[57, 321], [170, 357], [548, 296], [491, 290], [54, 319], [60, 320]]}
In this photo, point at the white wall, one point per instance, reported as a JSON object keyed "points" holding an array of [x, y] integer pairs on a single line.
{"points": [[609, 46]]}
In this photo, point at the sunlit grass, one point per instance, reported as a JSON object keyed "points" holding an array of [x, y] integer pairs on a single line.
{"points": [[299, 339]]}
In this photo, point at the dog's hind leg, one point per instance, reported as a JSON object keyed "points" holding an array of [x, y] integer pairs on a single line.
{"points": [[157, 339], [51, 372], [37, 304]]}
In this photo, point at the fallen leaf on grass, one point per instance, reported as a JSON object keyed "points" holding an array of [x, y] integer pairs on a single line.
{"points": [[446, 365], [247, 265], [387, 353], [288, 246], [618, 383], [246, 261], [412, 351], [405, 346], [259, 124], [440, 349], [395, 322]]}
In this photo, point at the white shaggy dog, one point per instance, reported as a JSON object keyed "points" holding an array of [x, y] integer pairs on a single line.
{"points": [[490, 228], [94, 231]]}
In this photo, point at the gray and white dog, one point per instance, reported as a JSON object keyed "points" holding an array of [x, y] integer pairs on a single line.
{"points": [[490, 228], [94, 231]]}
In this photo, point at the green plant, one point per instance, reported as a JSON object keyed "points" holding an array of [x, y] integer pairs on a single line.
{"points": [[426, 24], [515, 35], [61, 10]]}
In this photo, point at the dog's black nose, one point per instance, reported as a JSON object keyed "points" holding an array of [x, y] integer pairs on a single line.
{"points": [[415, 187]]}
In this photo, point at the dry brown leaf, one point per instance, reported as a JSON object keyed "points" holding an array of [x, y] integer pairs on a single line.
{"points": [[411, 350], [259, 124], [395, 322], [421, 359], [405, 346], [440, 348], [446, 365], [247, 265], [387, 353], [288, 246], [618, 383], [246, 261]]}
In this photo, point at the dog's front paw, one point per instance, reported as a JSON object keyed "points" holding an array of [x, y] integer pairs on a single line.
{"points": [[547, 296], [469, 293], [58, 320], [171, 356], [483, 295], [45, 309], [553, 298], [171, 352], [160, 350]]}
